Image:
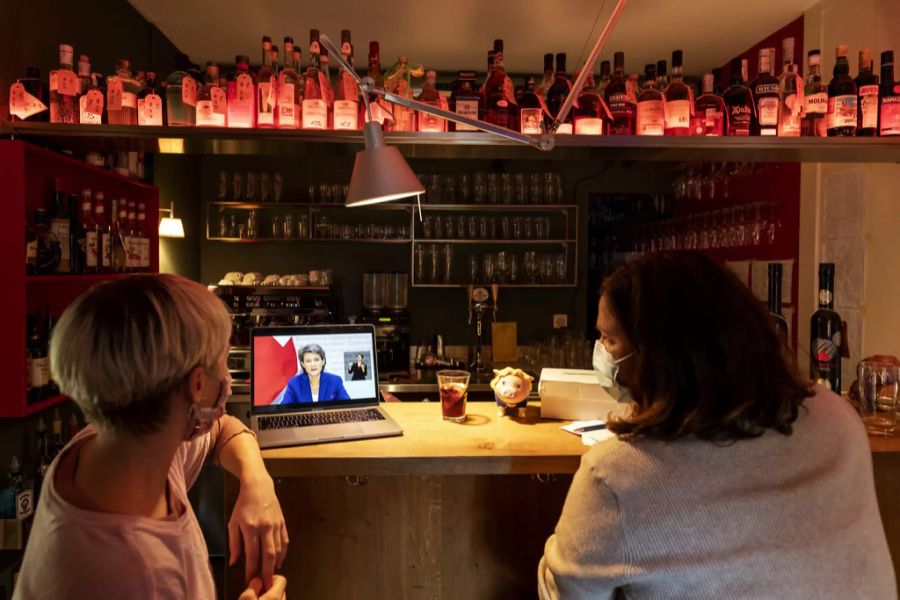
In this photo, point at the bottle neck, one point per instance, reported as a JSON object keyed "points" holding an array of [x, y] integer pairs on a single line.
{"points": [[677, 74], [815, 70], [887, 73], [775, 293], [267, 56], [826, 292], [841, 67]]}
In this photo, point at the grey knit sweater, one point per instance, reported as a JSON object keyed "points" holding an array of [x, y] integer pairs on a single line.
{"points": [[772, 517]]}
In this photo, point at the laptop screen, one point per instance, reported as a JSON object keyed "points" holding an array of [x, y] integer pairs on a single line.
{"points": [[296, 368]]}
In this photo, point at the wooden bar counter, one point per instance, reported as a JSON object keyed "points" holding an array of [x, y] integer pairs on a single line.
{"points": [[447, 510]]}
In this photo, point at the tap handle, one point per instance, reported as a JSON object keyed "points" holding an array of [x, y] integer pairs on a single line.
{"points": [[470, 290], [495, 292]]}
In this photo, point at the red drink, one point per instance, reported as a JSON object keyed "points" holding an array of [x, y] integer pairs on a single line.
{"points": [[454, 388]]}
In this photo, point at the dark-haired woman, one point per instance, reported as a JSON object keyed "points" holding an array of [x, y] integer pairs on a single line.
{"points": [[730, 477]]}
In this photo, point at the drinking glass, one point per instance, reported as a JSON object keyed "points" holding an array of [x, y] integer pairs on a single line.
{"points": [[493, 188], [435, 258], [325, 193], [513, 268], [506, 188], [448, 190], [237, 186], [502, 267], [528, 224], [878, 394], [252, 225], [472, 227], [222, 186], [420, 263], [546, 268], [438, 228], [277, 227], [449, 227], [447, 252], [520, 188], [312, 191], [265, 186], [250, 187], [464, 188], [473, 268], [537, 189], [550, 189], [277, 186], [531, 266], [303, 227], [560, 268], [288, 226], [428, 227], [453, 387], [487, 264], [504, 227], [461, 227], [540, 228], [517, 228], [483, 227], [479, 188]]}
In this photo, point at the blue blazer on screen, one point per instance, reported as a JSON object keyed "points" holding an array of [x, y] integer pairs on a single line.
{"points": [[331, 387]]}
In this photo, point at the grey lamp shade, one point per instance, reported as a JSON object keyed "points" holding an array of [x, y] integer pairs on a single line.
{"points": [[380, 173]]}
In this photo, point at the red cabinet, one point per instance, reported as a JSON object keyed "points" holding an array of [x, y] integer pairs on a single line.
{"points": [[27, 174]]}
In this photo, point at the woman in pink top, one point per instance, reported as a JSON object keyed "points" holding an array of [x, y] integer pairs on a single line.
{"points": [[145, 359]]}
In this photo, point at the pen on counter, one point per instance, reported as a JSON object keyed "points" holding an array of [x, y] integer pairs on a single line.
{"points": [[589, 428]]}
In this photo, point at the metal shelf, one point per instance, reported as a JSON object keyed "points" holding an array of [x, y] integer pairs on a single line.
{"points": [[501, 207], [304, 240], [214, 140], [469, 241], [502, 285]]}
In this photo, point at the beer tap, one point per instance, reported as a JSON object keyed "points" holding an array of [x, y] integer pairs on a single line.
{"points": [[480, 304]]}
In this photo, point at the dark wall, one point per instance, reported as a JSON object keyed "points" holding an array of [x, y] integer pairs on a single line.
{"points": [[105, 30]]}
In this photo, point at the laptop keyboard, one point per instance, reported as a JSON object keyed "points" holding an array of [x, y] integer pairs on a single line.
{"points": [[325, 417]]}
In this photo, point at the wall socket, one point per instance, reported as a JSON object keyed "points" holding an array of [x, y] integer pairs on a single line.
{"points": [[560, 321]]}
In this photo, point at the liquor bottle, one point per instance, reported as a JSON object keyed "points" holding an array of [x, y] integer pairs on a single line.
{"points": [[621, 102], [825, 334], [430, 95], [48, 250], [346, 92], [121, 95], [889, 106], [117, 241], [90, 101], [778, 319], [38, 362], [709, 111], [867, 92], [487, 75], [464, 100], [679, 100], [142, 242], [815, 99], [590, 113], [77, 238], [557, 93], [56, 439], [88, 225], [212, 104], [16, 500], [842, 98], [651, 112], [662, 76], [287, 103], [500, 102], [64, 92], [604, 78], [28, 97], [531, 108], [315, 104], [380, 108], [101, 227], [181, 97], [266, 87], [42, 454], [547, 80], [791, 85], [150, 103], [241, 94], [131, 239], [739, 100], [59, 226], [31, 243], [767, 94], [398, 81]]}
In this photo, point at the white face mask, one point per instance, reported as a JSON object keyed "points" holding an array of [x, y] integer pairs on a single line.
{"points": [[201, 418], [607, 369]]}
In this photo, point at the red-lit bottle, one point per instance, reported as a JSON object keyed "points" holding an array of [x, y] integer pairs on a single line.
{"points": [[547, 80], [842, 98], [465, 100], [315, 102], [738, 101], [143, 241], [430, 95], [212, 104], [604, 78], [815, 99], [622, 104], [498, 92], [679, 100], [651, 112], [531, 109], [241, 93], [121, 95], [90, 104], [558, 92], [288, 95], [346, 92], [131, 241], [709, 111], [767, 94], [103, 234], [889, 106], [791, 84], [89, 226], [266, 88], [381, 111], [867, 92], [28, 98], [590, 115], [64, 89]]}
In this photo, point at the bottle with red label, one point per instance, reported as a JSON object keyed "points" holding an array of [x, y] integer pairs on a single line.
{"points": [[121, 95], [212, 104], [767, 94], [620, 99], [738, 98], [287, 111], [889, 105], [265, 85], [88, 225], [709, 111], [64, 89], [431, 95], [557, 93], [90, 104], [346, 92], [464, 100], [315, 101], [590, 114], [28, 98], [500, 102], [815, 99], [241, 93], [679, 100], [842, 98], [651, 106], [867, 96], [531, 108], [791, 105], [101, 229], [150, 103]]}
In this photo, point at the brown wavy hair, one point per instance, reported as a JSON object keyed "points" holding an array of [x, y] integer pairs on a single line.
{"points": [[708, 362]]}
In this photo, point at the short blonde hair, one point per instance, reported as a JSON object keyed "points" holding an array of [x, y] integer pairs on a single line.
{"points": [[122, 349]]}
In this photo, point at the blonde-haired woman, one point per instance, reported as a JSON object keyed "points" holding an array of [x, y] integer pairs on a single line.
{"points": [[145, 359]]}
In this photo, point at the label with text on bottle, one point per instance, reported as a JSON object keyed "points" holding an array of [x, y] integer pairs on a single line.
{"points": [[890, 114], [467, 108], [205, 115], [265, 114], [678, 114], [346, 114], [588, 126], [129, 100], [651, 117], [789, 124], [150, 110], [739, 120], [286, 116], [767, 108], [842, 111], [315, 114], [529, 120], [817, 104], [106, 250], [708, 122], [868, 106], [39, 372], [91, 253]]}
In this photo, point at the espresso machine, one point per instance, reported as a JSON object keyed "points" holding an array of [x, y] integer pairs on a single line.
{"points": [[385, 306]]}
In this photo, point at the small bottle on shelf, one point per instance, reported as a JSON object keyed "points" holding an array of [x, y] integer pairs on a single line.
{"points": [[150, 103], [287, 110], [77, 239], [590, 114], [266, 86], [767, 93], [101, 227], [531, 109], [889, 105], [620, 100], [117, 235], [709, 111], [64, 89], [867, 96], [38, 362], [662, 75], [825, 335], [28, 98], [315, 101], [212, 104], [778, 319], [131, 239], [346, 92], [842, 98], [557, 93], [791, 84], [88, 225], [651, 111], [181, 98], [739, 100], [464, 100], [430, 95], [59, 226], [500, 102], [241, 92], [679, 100], [121, 95], [604, 78], [90, 102], [48, 249], [815, 99]]}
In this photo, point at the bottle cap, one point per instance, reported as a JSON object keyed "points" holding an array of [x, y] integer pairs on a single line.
{"points": [[887, 58], [709, 81], [374, 49], [865, 58], [65, 54], [661, 69], [498, 46], [815, 57], [345, 36], [841, 50], [677, 57]]}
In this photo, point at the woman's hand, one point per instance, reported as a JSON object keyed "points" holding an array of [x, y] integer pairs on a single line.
{"points": [[258, 522], [276, 591]]}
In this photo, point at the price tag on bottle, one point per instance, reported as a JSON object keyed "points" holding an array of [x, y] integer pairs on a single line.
{"points": [[244, 91], [66, 82], [189, 91], [22, 104], [24, 504], [219, 100], [114, 91], [150, 110]]}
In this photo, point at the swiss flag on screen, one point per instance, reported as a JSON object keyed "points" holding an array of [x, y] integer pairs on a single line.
{"points": [[275, 363]]}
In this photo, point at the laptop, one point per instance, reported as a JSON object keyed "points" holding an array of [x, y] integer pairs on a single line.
{"points": [[315, 384]]}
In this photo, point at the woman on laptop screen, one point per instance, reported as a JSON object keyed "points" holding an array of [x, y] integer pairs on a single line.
{"points": [[313, 384]]}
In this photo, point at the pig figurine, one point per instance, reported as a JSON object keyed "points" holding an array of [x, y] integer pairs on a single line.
{"points": [[511, 388]]}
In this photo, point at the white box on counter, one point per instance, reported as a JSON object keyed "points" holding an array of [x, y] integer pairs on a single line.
{"points": [[575, 395]]}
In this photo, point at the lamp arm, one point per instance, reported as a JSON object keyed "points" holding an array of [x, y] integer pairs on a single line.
{"points": [[588, 67], [339, 58]]}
